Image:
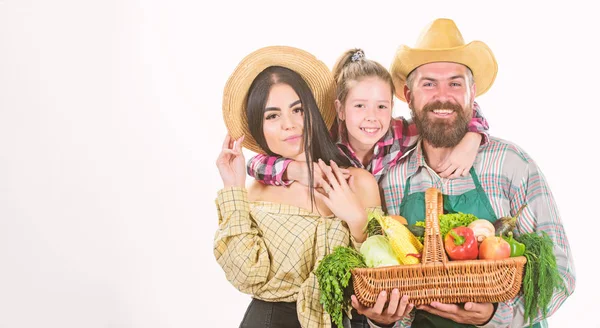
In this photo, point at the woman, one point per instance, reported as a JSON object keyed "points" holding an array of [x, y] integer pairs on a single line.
{"points": [[271, 238]]}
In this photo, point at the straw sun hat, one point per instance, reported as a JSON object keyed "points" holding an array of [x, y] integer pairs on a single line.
{"points": [[441, 41], [314, 72]]}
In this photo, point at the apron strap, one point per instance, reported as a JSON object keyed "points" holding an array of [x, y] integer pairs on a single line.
{"points": [[482, 195], [407, 188]]}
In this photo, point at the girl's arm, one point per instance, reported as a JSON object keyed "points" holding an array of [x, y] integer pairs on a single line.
{"points": [[269, 170]]}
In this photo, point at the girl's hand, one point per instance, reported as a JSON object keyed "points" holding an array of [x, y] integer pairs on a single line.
{"points": [[341, 200], [231, 163], [461, 159]]}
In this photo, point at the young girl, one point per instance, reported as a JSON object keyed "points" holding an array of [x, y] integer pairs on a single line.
{"points": [[366, 132], [271, 238]]}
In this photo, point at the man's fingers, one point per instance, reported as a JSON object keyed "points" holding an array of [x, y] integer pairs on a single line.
{"points": [[380, 303], [450, 308], [475, 307], [355, 304], [435, 311], [393, 304], [403, 306], [408, 309]]}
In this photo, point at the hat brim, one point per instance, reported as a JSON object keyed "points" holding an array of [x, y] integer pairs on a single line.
{"points": [[314, 72], [475, 55]]}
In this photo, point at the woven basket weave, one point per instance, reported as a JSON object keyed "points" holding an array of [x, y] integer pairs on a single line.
{"points": [[438, 279]]}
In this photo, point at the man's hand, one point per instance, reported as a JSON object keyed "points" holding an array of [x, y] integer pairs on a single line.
{"points": [[470, 313], [397, 308]]}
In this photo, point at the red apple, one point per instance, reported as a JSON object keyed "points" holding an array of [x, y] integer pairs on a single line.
{"points": [[494, 248]]}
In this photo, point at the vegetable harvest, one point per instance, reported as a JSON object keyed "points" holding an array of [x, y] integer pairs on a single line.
{"points": [[449, 221], [378, 252], [403, 242], [505, 224], [541, 274], [460, 244], [482, 229], [333, 275], [516, 248]]}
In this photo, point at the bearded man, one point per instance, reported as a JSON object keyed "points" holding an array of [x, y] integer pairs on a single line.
{"points": [[440, 79]]}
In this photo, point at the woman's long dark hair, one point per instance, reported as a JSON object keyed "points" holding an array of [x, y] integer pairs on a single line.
{"points": [[317, 140]]}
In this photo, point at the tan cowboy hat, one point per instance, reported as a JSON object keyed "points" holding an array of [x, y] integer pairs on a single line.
{"points": [[441, 41], [314, 72]]}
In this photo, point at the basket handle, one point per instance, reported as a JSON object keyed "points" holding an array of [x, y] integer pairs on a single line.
{"points": [[433, 244]]}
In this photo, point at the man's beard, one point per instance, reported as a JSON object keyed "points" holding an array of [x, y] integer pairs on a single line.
{"points": [[442, 133]]}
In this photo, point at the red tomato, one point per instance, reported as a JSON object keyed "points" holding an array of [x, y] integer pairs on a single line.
{"points": [[494, 248]]}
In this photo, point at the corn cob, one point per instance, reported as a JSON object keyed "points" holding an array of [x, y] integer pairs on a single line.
{"points": [[403, 242]]}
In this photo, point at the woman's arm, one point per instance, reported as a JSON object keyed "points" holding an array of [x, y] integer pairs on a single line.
{"points": [[238, 245]]}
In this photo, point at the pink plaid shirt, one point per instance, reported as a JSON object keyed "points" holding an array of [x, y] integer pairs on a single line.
{"points": [[401, 137]]}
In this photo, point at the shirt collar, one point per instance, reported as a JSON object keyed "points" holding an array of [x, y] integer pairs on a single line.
{"points": [[415, 158]]}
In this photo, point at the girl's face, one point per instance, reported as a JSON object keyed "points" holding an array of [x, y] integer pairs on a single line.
{"points": [[367, 112], [283, 122]]}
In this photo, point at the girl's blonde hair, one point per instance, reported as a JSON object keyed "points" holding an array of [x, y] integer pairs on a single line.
{"points": [[352, 67]]}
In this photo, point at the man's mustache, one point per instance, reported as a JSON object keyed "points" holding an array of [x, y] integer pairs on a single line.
{"points": [[441, 105]]}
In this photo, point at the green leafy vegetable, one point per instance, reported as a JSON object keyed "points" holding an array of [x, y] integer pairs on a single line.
{"points": [[333, 275], [378, 252], [450, 221], [541, 274]]}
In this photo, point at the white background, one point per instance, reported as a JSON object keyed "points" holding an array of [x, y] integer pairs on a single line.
{"points": [[110, 124]]}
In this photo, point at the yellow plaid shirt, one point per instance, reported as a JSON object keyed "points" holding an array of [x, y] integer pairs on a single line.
{"points": [[271, 250]]}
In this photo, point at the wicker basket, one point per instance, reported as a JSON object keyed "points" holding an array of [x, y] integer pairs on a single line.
{"points": [[436, 278]]}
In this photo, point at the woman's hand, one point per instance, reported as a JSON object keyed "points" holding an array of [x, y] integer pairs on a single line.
{"points": [[341, 200], [231, 163], [298, 171]]}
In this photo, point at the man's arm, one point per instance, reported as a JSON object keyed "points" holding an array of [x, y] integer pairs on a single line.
{"points": [[528, 186]]}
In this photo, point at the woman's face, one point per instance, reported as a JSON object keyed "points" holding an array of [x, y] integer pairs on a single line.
{"points": [[283, 122], [367, 112]]}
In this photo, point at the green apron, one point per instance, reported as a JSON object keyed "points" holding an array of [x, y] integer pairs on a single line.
{"points": [[473, 202]]}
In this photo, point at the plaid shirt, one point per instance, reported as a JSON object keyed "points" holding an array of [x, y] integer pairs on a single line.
{"points": [[271, 250], [510, 178], [401, 136]]}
